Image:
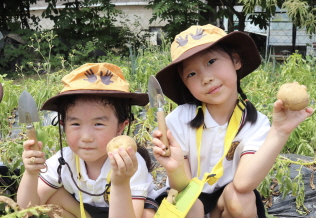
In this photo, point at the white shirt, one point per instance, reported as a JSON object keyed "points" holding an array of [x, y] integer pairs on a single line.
{"points": [[250, 138], [140, 182]]}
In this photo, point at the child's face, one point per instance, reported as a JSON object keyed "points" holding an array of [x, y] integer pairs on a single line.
{"points": [[89, 126], [211, 76]]}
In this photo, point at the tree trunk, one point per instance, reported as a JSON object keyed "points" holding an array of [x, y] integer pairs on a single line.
{"points": [[24, 14], [230, 27], [4, 17], [231, 11], [241, 21], [210, 15], [77, 3]]}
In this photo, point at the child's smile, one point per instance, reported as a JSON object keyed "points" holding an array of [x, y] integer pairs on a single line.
{"points": [[215, 89], [87, 149]]}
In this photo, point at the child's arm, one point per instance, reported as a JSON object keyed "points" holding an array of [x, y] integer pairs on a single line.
{"points": [[33, 160], [124, 165], [253, 168], [177, 168], [32, 190]]}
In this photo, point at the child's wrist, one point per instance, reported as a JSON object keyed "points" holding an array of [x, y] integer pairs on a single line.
{"points": [[277, 137], [177, 171], [278, 132], [122, 183], [32, 173]]}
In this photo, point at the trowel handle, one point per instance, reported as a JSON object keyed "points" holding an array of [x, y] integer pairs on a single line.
{"points": [[31, 134], [172, 194], [163, 129]]}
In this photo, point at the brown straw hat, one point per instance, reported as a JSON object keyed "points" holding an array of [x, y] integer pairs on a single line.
{"points": [[1, 92], [101, 79], [199, 38]]}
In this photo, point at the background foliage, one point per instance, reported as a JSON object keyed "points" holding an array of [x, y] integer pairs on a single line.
{"points": [[89, 28], [180, 15], [82, 32]]}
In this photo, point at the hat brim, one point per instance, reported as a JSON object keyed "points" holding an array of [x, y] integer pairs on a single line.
{"points": [[242, 42], [140, 99]]}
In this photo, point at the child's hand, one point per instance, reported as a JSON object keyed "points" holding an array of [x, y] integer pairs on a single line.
{"points": [[124, 165], [286, 121], [176, 158], [33, 160]]}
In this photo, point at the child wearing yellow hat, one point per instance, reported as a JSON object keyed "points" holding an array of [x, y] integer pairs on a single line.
{"points": [[204, 80], [84, 178]]}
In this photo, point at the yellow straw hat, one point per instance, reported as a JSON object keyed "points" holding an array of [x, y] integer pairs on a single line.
{"points": [[101, 79], [196, 39]]}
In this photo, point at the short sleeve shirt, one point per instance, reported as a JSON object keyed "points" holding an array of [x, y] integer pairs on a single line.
{"points": [[140, 181], [248, 140]]}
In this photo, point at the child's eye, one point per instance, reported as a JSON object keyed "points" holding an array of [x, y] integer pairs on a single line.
{"points": [[99, 124], [191, 74], [75, 124], [211, 62]]}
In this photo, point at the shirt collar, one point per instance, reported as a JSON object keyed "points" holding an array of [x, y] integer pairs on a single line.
{"points": [[104, 171], [210, 122]]}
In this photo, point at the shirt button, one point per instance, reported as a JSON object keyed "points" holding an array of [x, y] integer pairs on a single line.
{"points": [[216, 151]]}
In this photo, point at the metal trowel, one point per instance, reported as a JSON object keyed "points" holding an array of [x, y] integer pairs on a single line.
{"points": [[28, 114], [156, 99]]}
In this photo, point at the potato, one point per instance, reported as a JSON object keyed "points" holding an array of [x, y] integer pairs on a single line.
{"points": [[294, 96], [122, 140]]}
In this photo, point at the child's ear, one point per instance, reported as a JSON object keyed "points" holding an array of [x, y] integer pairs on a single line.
{"points": [[237, 61], [61, 122], [121, 127]]}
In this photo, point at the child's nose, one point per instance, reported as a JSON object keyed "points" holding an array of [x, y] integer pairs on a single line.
{"points": [[207, 78], [86, 136]]}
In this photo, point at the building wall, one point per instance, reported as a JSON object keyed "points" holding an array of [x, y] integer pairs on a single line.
{"points": [[134, 10]]}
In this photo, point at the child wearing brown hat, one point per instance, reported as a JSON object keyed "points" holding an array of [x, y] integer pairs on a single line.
{"points": [[216, 130], [84, 178]]}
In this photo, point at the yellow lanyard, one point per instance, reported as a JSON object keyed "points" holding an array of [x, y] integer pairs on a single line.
{"points": [[106, 196], [107, 191], [82, 212], [232, 129]]}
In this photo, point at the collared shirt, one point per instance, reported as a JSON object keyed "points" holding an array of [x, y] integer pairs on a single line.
{"points": [[140, 182], [249, 140]]}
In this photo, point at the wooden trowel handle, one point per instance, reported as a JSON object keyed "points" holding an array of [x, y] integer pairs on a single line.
{"points": [[31, 134], [172, 194], [163, 129]]}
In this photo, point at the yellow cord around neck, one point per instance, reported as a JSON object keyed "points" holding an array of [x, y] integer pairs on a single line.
{"points": [[106, 196], [82, 211], [232, 129]]}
